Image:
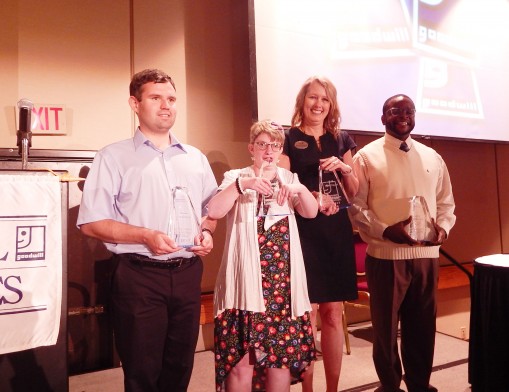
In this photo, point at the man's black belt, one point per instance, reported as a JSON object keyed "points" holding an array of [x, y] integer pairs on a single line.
{"points": [[176, 262]]}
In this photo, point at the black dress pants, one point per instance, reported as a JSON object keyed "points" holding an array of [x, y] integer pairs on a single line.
{"points": [[156, 317], [403, 292]]}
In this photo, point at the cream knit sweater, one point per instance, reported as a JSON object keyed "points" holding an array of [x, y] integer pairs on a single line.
{"points": [[388, 177]]}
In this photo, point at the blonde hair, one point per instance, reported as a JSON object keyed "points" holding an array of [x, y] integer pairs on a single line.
{"points": [[271, 128], [333, 119]]}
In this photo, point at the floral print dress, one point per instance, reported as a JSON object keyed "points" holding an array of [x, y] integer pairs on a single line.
{"points": [[276, 339]]}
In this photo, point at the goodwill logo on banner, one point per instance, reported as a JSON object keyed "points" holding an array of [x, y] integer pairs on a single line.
{"points": [[30, 261]]}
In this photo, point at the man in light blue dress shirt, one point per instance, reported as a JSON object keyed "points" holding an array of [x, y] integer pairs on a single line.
{"points": [[128, 203]]}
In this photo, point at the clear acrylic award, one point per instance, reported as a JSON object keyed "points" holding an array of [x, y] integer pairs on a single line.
{"points": [[334, 188], [268, 205], [184, 224], [421, 227]]}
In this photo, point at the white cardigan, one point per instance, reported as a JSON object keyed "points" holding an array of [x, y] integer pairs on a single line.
{"points": [[239, 280]]}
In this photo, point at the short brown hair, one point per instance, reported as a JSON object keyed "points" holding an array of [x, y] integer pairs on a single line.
{"points": [[148, 76], [271, 128]]}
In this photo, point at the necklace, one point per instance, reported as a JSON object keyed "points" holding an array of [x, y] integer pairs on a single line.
{"points": [[317, 138]]}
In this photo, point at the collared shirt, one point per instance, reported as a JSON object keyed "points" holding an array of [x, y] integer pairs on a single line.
{"points": [[131, 181]]}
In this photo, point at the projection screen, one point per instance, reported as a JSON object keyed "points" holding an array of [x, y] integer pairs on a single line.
{"points": [[450, 56]]}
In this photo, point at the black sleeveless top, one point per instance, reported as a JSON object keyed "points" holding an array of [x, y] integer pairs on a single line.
{"points": [[327, 241]]}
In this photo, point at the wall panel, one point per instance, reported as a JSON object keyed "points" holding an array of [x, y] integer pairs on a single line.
{"points": [[472, 168], [502, 155], [75, 54]]}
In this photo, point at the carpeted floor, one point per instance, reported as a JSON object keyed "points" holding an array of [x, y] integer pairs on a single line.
{"points": [[357, 375]]}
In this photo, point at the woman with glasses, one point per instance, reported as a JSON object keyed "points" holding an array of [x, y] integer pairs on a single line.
{"points": [[262, 335], [320, 153]]}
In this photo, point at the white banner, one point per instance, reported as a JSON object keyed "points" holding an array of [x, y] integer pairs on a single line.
{"points": [[30, 261]]}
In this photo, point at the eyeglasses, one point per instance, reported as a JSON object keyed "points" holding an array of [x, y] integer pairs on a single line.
{"points": [[399, 112], [275, 146]]}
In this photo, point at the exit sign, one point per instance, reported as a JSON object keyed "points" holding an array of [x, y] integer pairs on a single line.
{"points": [[47, 119]]}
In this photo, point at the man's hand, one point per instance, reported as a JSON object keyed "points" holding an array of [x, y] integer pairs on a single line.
{"points": [[159, 243], [204, 244], [441, 235], [397, 233]]}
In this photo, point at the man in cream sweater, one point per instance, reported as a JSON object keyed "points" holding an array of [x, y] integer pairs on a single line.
{"points": [[401, 267]]}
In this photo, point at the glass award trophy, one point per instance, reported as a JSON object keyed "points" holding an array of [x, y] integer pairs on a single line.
{"points": [[184, 224], [334, 188], [421, 227], [268, 205]]}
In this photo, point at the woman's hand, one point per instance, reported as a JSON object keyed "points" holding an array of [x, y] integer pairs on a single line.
{"points": [[258, 184], [326, 205], [288, 190], [334, 163]]}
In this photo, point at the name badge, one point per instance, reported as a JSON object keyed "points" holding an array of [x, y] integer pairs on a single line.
{"points": [[301, 145]]}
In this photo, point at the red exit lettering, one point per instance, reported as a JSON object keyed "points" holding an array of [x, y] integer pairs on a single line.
{"points": [[48, 119]]}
